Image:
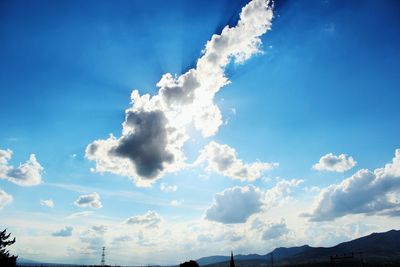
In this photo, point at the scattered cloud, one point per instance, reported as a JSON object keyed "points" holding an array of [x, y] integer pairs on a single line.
{"points": [[364, 192], [65, 232], [235, 205], [168, 188], [275, 230], [47, 203], [223, 160], [5, 199], [155, 127], [89, 201], [333, 163], [26, 174], [150, 219]]}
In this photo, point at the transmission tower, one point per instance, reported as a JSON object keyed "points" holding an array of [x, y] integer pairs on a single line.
{"points": [[103, 257]]}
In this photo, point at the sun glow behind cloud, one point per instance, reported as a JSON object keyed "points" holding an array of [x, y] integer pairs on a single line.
{"points": [[155, 127], [206, 192]]}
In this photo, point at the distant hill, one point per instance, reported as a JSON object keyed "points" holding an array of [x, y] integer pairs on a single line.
{"points": [[25, 261], [279, 253], [376, 248], [28, 263]]}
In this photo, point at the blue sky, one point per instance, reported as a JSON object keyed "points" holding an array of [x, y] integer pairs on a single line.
{"points": [[321, 82]]}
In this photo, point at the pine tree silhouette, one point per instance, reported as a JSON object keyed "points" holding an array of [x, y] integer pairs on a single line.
{"points": [[6, 259]]}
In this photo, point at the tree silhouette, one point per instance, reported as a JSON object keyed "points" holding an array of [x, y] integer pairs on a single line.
{"points": [[189, 264], [6, 259]]}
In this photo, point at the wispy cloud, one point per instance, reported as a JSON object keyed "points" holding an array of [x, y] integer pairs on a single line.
{"points": [[80, 214]]}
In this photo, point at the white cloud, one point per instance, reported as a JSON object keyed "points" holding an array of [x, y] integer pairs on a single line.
{"points": [[5, 199], [275, 230], [333, 163], [282, 189], [168, 188], [149, 219], [65, 232], [222, 159], [89, 201], [26, 174], [155, 127], [237, 204], [47, 203], [364, 192]]}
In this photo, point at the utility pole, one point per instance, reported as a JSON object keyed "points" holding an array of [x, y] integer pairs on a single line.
{"points": [[103, 255]]}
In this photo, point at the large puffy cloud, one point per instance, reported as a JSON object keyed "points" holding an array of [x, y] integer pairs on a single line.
{"points": [[237, 204], [65, 232], [89, 201], [5, 198], [223, 160], [26, 174], [364, 192], [149, 219], [333, 163], [155, 127]]}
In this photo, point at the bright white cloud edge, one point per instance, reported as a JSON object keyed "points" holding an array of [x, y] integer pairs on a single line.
{"points": [[365, 192], [223, 160], [155, 127], [333, 163], [26, 174]]}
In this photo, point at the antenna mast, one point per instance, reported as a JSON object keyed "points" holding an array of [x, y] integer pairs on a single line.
{"points": [[103, 255]]}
